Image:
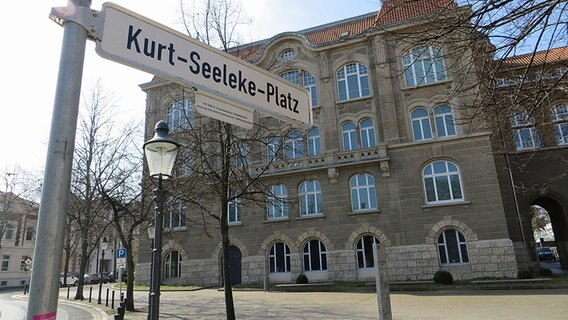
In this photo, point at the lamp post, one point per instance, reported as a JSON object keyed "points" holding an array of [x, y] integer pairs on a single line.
{"points": [[160, 152], [103, 247]]}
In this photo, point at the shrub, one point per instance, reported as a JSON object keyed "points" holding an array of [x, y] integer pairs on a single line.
{"points": [[524, 274], [302, 279], [545, 272], [443, 277]]}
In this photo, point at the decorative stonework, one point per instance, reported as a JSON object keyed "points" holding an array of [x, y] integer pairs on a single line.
{"points": [[234, 242], [313, 233], [366, 229], [385, 168], [332, 174], [449, 222], [277, 236], [174, 246]]}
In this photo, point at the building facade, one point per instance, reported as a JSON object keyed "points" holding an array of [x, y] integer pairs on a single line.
{"points": [[386, 162]]}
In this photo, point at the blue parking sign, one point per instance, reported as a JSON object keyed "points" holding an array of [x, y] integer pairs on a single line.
{"points": [[121, 253]]}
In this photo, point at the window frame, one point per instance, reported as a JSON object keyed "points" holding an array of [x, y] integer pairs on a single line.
{"points": [[305, 79], [282, 198], [179, 114], [294, 145], [5, 266], [169, 267], [344, 75], [274, 258], [176, 211], [362, 252], [369, 188], [313, 142], [448, 179], [309, 196], [524, 131], [421, 122], [351, 143], [416, 62], [234, 210], [460, 246], [559, 119], [311, 257], [444, 121], [367, 134]]}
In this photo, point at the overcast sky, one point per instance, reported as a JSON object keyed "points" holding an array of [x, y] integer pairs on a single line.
{"points": [[31, 46]]}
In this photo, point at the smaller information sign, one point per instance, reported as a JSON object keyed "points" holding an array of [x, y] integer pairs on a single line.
{"points": [[221, 109]]}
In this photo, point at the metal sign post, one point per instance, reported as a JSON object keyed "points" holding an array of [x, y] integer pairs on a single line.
{"points": [[48, 251]]}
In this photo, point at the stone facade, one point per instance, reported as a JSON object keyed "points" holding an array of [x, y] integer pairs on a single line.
{"points": [[408, 225]]}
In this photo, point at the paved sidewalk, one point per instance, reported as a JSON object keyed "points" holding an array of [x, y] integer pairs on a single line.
{"points": [[463, 305]]}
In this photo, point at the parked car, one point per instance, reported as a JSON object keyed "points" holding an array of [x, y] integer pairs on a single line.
{"points": [[70, 281], [92, 278], [545, 254]]}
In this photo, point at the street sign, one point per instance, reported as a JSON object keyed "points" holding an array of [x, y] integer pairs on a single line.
{"points": [[28, 261], [121, 253], [139, 42]]}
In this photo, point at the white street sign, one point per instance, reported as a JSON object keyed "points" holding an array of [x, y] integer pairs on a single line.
{"points": [[222, 109], [139, 42]]}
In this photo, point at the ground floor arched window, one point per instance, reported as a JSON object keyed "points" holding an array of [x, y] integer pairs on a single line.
{"points": [[172, 265]]}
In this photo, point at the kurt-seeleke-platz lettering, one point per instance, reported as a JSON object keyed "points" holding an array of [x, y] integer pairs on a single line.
{"points": [[234, 79]]}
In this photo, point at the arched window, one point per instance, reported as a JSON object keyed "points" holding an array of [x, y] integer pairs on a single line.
{"points": [[172, 265], [352, 81], [452, 247], [421, 128], [423, 65], [277, 202], [304, 79], [365, 258], [279, 258], [349, 136], [314, 148], [367, 132], [234, 211], [315, 258], [179, 115], [560, 121], [294, 145], [525, 134], [442, 182], [288, 54], [310, 198], [444, 120], [273, 145], [363, 192]]}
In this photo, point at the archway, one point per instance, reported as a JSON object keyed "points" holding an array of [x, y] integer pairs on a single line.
{"points": [[235, 257], [559, 222]]}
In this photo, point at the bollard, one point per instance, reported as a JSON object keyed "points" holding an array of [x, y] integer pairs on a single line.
{"points": [[121, 296], [106, 304], [112, 302], [25, 289], [68, 289], [90, 293]]}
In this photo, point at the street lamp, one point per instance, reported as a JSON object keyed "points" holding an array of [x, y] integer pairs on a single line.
{"points": [[103, 245], [160, 152]]}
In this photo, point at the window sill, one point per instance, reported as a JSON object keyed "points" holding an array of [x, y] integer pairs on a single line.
{"points": [[235, 224], [446, 204], [423, 85], [341, 102], [175, 229], [311, 216], [276, 220], [364, 212]]}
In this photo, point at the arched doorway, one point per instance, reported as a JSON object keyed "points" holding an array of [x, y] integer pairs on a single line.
{"points": [[235, 257], [559, 222]]}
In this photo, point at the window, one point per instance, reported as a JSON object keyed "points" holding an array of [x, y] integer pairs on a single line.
{"points": [[442, 182], [287, 54], [444, 120], [310, 198], [185, 159], [314, 256], [304, 79], [240, 154], [352, 81], [560, 123], [175, 217], [314, 148], [172, 265], [9, 233], [273, 147], [5, 263], [365, 257], [363, 192], [278, 202], [525, 135], [421, 124], [234, 211], [279, 258], [367, 131], [29, 234], [294, 145], [452, 247], [179, 115], [423, 65], [349, 136]]}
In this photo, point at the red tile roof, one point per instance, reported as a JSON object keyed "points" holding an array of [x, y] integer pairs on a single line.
{"points": [[537, 58], [393, 11]]}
